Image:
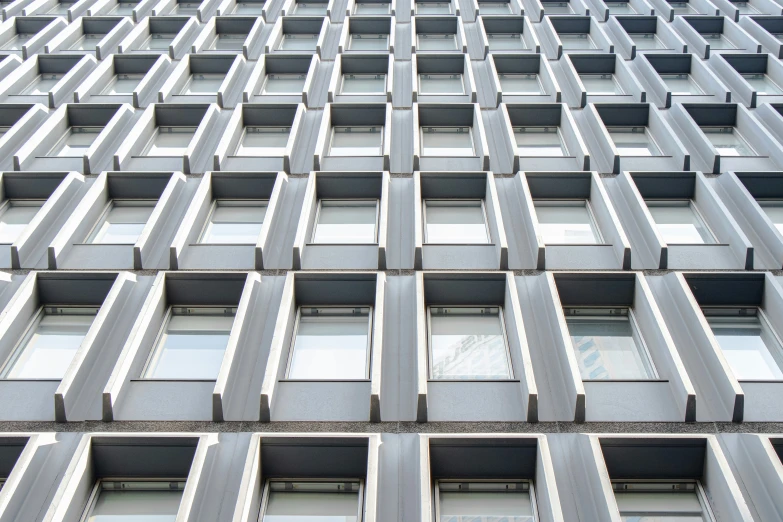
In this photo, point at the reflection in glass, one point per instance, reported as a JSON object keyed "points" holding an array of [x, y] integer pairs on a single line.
{"points": [[763, 84], [679, 222], [728, 141], [346, 222], [234, 222], [566, 222], [136, 501], [436, 42], [312, 502], [540, 142], [485, 502], [454, 221]]}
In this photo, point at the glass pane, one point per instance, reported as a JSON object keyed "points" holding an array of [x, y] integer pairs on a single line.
{"points": [[263, 141], [356, 141], [633, 141], [76, 142], [683, 8], [87, 42], [455, 222], [446, 141], [157, 42], [331, 344], [372, 8], [540, 142], [15, 218], [505, 42], [678, 502], [192, 345], [620, 8], [49, 347], [576, 41], [249, 8], [42, 84], [603, 84], [718, 41], [646, 41], [122, 84], [606, 346], [301, 502], [363, 84], [169, 141], [16, 42], [284, 84], [436, 42], [368, 42], [728, 141], [566, 224], [762, 84], [774, 211], [123, 223], [520, 84], [749, 346], [310, 8], [445, 84], [60, 8], [298, 42], [679, 223], [745, 8], [486, 506], [235, 223], [468, 344], [185, 8], [486, 8], [202, 84], [433, 8], [682, 84], [551, 8], [345, 222], [228, 42], [131, 502]]}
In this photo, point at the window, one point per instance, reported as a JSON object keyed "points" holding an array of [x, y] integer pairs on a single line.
{"points": [[433, 8], [529, 84], [455, 222], [122, 222], [185, 8], [576, 41], [363, 84], [263, 141], [122, 84], [646, 41], [134, 500], [372, 8], [304, 501], [191, 343], [468, 343], [207, 83], [343, 222], [494, 8], [436, 42], [234, 222], [227, 42], [567, 222], [87, 42], [169, 141], [15, 215], [505, 42], [661, 500], [309, 8], [745, 8], [718, 41], [728, 141], [60, 8], [331, 343], [485, 501], [16, 42], [356, 141], [249, 8], [603, 84], [620, 8], [679, 222], [442, 84], [447, 141], [298, 42], [284, 83], [557, 8], [774, 211], [748, 342], [50, 343], [42, 84], [157, 42], [633, 141], [607, 344], [681, 84], [123, 8], [763, 84], [368, 42], [75, 142], [682, 8], [540, 142]]}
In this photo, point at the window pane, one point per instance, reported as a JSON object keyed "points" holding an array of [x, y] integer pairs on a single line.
{"points": [[428, 8], [468, 344], [372, 8], [441, 84], [659, 501], [249, 8], [123, 223], [136, 502], [682, 84], [762, 84], [505, 42], [363, 84], [540, 142], [344, 222], [192, 345], [447, 141], [718, 41], [16, 42], [607, 346], [455, 222], [284, 84], [312, 502], [356, 141], [604, 84], [51, 343], [749, 346], [298, 42], [310, 8], [551, 8], [679, 223], [633, 141], [122, 84], [87, 42], [577, 41], [17, 214], [436, 42], [646, 41], [75, 142], [486, 506], [774, 210], [494, 8], [728, 141], [566, 224], [42, 84], [368, 42], [227, 42], [520, 84], [235, 223], [202, 84], [331, 344], [157, 42], [263, 141], [169, 141]]}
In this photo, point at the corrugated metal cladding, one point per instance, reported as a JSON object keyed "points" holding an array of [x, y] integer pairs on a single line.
{"points": [[391, 260]]}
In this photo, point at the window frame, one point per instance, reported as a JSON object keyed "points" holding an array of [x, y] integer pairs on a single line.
{"points": [[297, 36], [332, 132], [263, 92], [502, 76], [157, 347], [603, 76], [95, 492], [368, 355], [229, 202], [341, 92], [267, 490], [357, 202], [360, 36], [441, 36], [512, 375], [447, 151], [110, 205], [454, 202], [706, 509], [735, 131], [542, 129], [557, 202], [267, 151], [422, 92], [530, 488], [172, 129], [63, 142], [416, 4], [354, 10]]}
